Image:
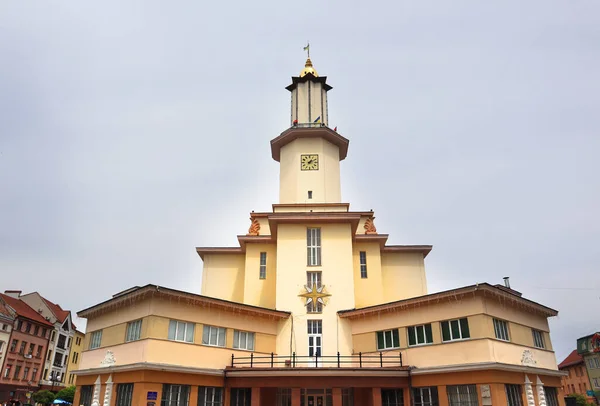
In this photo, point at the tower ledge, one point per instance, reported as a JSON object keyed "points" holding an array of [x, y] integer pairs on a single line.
{"points": [[324, 132]]}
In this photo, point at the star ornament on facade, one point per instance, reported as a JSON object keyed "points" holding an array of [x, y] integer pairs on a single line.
{"points": [[314, 294]]}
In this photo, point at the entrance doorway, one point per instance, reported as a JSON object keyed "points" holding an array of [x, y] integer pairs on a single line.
{"points": [[316, 397], [315, 400]]}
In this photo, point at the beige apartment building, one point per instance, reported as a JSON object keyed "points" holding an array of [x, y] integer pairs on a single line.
{"points": [[313, 307]]}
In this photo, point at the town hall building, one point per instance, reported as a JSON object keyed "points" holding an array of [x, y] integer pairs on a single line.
{"points": [[313, 307]]}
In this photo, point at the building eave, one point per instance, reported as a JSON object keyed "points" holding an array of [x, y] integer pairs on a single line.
{"points": [[424, 249], [192, 298], [306, 78], [202, 251], [487, 366], [294, 133], [482, 288], [300, 372], [148, 366]]}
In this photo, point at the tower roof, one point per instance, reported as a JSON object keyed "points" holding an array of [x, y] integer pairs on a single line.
{"points": [[308, 68], [326, 133], [306, 74]]}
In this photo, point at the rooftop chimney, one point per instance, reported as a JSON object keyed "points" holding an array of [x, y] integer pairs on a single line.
{"points": [[13, 293], [506, 282]]}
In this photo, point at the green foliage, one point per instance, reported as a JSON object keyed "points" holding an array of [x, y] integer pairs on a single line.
{"points": [[66, 394], [581, 399], [44, 396]]}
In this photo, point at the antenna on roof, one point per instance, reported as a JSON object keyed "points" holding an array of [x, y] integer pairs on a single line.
{"points": [[506, 282]]}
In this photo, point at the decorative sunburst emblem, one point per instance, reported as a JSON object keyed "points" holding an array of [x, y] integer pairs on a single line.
{"points": [[314, 294]]}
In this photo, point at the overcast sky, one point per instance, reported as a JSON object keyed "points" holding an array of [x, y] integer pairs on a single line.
{"points": [[132, 132]]}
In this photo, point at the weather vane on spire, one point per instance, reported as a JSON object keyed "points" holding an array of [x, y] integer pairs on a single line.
{"points": [[307, 49]]}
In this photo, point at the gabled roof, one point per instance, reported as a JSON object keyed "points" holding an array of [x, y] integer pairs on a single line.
{"points": [[23, 310], [139, 293], [5, 311], [60, 314], [572, 359], [482, 288]]}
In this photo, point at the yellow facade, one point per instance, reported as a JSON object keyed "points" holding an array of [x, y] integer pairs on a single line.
{"points": [[74, 357], [314, 284]]}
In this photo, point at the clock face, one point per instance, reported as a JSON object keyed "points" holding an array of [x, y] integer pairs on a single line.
{"points": [[309, 162]]}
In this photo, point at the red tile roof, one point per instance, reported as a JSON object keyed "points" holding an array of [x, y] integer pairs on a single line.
{"points": [[60, 314], [4, 311], [572, 359], [24, 310]]}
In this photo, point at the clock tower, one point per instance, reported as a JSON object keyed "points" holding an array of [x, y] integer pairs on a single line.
{"points": [[309, 152]]}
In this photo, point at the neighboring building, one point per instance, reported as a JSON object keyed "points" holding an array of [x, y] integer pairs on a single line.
{"points": [[7, 319], [314, 308], [589, 349], [24, 360], [577, 382], [61, 337], [76, 349]]}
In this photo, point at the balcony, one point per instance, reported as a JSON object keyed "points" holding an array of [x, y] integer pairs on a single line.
{"points": [[380, 360]]}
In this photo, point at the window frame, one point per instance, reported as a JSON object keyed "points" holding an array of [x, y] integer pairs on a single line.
{"points": [[362, 260], [313, 246], [398, 394], [501, 329], [124, 394], [540, 335], [426, 336], [514, 395], [551, 394], [262, 270], [460, 330], [189, 329], [471, 392], [314, 278], [95, 339], [394, 335], [203, 395], [133, 332], [221, 332], [432, 392], [237, 338]]}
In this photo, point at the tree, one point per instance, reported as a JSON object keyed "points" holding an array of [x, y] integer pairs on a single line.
{"points": [[581, 399], [44, 396], [67, 394]]}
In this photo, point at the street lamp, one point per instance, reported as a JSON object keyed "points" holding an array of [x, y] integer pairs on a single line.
{"points": [[54, 377]]}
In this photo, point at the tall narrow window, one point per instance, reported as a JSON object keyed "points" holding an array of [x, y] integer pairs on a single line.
{"points": [[310, 194], [513, 395], [7, 371], [313, 281], [134, 330], [263, 265], [538, 338], [501, 329], [363, 264], [87, 392], [124, 394], [313, 246], [315, 337], [392, 397]]}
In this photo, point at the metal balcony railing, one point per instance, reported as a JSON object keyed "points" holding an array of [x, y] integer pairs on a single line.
{"points": [[380, 360]]}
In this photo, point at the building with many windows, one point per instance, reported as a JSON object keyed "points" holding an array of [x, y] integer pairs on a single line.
{"points": [[315, 308], [577, 381], [7, 319], [73, 365], [25, 356], [588, 348]]}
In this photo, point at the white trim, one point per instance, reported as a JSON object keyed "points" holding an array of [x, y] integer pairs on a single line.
{"points": [[487, 365], [152, 366]]}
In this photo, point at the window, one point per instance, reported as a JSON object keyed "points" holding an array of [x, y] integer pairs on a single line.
{"points": [[95, 339], [46, 374], [392, 397], [22, 348], [347, 397], [31, 348], [27, 327], [315, 337], [1, 345], [420, 335], [462, 395], [181, 331], [243, 340], [593, 363], [13, 345], [262, 274], [175, 395], [4, 327], [36, 330], [69, 343], [310, 194], [551, 396], [501, 329], [34, 375], [240, 396], [78, 341], [212, 335], [427, 396], [124, 394], [38, 353], [455, 330], [25, 373], [134, 330], [44, 332], [513, 395], [19, 325], [313, 246], [49, 355], [57, 359], [86, 395], [313, 281], [388, 339], [75, 358], [596, 383], [363, 264], [314, 327], [7, 371], [210, 396], [61, 341], [17, 371], [538, 339], [53, 336]]}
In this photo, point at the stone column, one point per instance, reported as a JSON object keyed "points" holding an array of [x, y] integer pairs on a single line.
{"points": [[529, 392], [96, 396], [540, 392], [108, 391]]}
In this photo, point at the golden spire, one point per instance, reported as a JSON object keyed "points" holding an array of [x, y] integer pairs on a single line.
{"points": [[308, 68]]}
